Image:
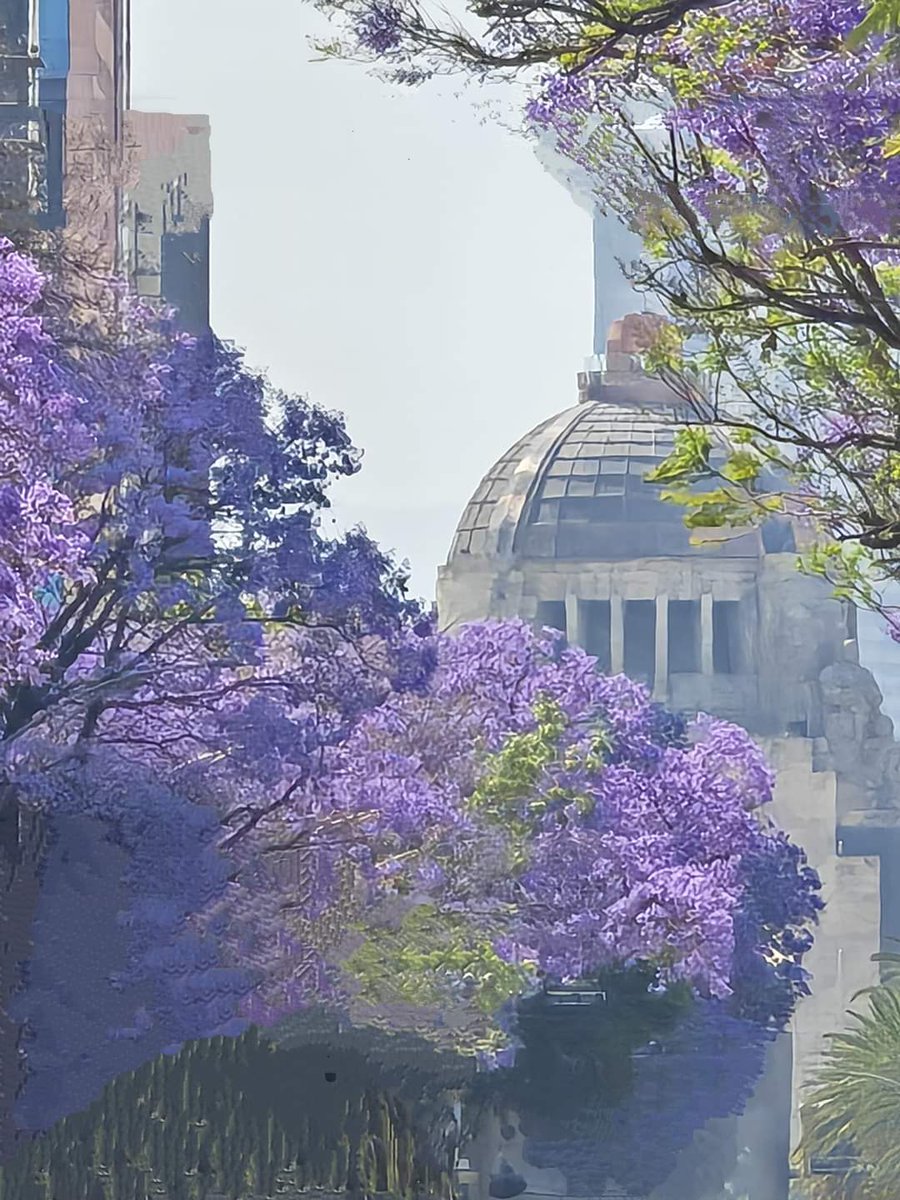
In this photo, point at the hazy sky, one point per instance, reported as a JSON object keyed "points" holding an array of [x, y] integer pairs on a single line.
{"points": [[393, 254]]}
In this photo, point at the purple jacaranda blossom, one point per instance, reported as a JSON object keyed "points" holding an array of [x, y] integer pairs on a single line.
{"points": [[177, 639], [378, 28], [633, 842]]}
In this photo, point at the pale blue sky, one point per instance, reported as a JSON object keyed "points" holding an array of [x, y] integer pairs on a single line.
{"points": [[391, 253]]}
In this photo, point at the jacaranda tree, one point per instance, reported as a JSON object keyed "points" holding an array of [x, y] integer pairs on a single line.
{"points": [[159, 517], [268, 784], [526, 821]]}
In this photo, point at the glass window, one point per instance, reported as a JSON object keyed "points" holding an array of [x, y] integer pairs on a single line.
{"points": [[640, 640], [684, 637], [726, 633], [551, 614], [595, 618]]}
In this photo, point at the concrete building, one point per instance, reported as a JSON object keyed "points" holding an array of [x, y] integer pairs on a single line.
{"points": [[564, 532], [167, 212], [33, 65], [128, 192], [97, 96]]}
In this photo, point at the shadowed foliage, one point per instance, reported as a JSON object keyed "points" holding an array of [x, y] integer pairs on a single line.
{"points": [[245, 1118]]}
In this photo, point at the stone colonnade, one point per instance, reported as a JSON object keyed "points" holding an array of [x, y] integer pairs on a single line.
{"points": [[575, 632]]}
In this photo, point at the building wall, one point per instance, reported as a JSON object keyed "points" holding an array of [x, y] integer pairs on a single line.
{"points": [[33, 68], [95, 158], [64, 91], [790, 629], [167, 213], [53, 25], [20, 127], [806, 805]]}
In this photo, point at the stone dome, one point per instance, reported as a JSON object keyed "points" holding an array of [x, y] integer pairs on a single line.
{"points": [[574, 488]]}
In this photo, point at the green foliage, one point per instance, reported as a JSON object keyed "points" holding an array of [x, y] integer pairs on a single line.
{"points": [[665, 351], [743, 466], [849, 567], [511, 791], [426, 957], [513, 774], [882, 18], [689, 459], [855, 1102], [734, 504], [243, 1118]]}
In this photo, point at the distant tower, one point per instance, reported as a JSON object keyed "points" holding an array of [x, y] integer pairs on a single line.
{"points": [[564, 531], [613, 245]]}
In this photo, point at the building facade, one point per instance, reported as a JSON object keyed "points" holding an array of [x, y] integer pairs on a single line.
{"points": [[167, 212], [128, 193], [33, 66], [564, 531], [95, 159]]}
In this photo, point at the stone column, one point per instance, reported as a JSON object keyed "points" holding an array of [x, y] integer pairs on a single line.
{"points": [[574, 629], [661, 668], [616, 635], [706, 633]]}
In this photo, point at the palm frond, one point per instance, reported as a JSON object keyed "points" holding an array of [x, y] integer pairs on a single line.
{"points": [[854, 1100]]}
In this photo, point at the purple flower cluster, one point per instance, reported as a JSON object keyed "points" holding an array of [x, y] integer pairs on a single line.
{"points": [[41, 434], [802, 119], [177, 641], [378, 29], [812, 144], [636, 841]]}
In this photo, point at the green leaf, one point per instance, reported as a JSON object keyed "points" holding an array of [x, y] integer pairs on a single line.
{"points": [[512, 776], [882, 18], [743, 466], [689, 458]]}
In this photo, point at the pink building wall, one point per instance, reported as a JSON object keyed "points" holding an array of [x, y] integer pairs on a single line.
{"points": [[96, 151]]}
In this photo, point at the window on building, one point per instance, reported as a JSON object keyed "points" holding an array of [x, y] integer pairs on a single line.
{"points": [[640, 640], [851, 621], [726, 634], [595, 616], [684, 637], [551, 614]]}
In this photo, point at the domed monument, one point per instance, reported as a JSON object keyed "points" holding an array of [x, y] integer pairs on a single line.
{"points": [[565, 532]]}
